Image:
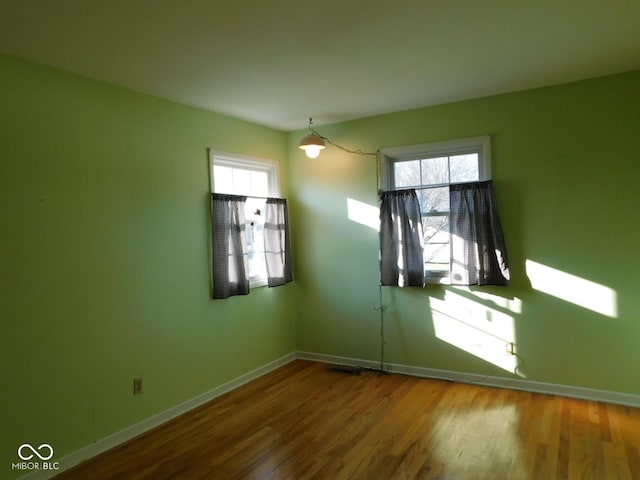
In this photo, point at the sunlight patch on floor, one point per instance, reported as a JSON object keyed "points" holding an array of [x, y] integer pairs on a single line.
{"points": [[461, 434]]}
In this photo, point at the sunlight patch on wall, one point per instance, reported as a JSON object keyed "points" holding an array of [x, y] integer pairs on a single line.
{"points": [[512, 304], [479, 330], [573, 289], [363, 213]]}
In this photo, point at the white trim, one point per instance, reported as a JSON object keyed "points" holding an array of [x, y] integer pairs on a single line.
{"points": [[582, 393], [104, 444], [247, 162], [238, 160], [390, 157], [482, 144]]}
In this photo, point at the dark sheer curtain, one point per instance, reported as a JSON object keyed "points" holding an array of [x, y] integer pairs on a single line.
{"points": [[277, 244], [229, 246], [478, 251], [401, 257]]}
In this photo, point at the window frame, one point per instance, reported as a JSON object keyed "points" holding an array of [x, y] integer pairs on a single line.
{"points": [[250, 163], [390, 157]]}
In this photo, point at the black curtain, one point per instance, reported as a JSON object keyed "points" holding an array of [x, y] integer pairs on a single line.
{"points": [[401, 249], [277, 244], [230, 268], [478, 251]]}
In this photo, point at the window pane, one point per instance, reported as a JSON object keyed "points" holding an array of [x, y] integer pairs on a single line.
{"points": [[255, 250], [254, 209], [434, 199], [406, 174], [222, 179], [254, 214], [464, 168], [435, 171], [253, 178], [436, 258], [436, 243], [260, 184], [436, 229], [241, 181]]}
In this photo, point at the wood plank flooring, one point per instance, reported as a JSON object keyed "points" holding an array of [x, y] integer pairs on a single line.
{"points": [[304, 421]]}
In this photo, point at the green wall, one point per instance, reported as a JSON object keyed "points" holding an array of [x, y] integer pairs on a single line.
{"points": [[105, 250], [566, 169], [104, 260]]}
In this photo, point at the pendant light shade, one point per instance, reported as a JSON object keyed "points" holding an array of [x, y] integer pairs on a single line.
{"points": [[312, 144]]}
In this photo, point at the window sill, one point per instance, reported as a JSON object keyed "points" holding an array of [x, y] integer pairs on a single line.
{"points": [[429, 280], [258, 282]]}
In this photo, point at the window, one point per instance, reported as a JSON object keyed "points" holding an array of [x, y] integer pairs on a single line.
{"points": [[431, 169], [257, 179]]}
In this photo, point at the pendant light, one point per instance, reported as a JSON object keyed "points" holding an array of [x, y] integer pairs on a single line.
{"points": [[312, 143]]}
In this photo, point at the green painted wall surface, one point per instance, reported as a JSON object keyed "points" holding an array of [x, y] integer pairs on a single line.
{"points": [[566, 169], [105, 250], [104, 260]]}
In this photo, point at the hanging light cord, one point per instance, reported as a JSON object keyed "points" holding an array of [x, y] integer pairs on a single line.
{"points": [[356, 152], [381, 307]]}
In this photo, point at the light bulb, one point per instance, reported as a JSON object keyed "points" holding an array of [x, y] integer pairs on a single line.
{"points": [[312, 151], [312, 144]]}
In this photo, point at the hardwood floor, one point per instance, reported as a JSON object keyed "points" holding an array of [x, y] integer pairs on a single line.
{"points": [[305, 421]]}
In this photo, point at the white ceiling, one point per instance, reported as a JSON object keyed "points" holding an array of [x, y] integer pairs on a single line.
{"points": [[279, 62]]}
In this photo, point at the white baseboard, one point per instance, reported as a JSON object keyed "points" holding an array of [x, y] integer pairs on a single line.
{"points": [[490, 381], [107, 443]]}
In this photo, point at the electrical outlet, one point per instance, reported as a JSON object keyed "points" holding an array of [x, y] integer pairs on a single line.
{"points": [[137, 386]]}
